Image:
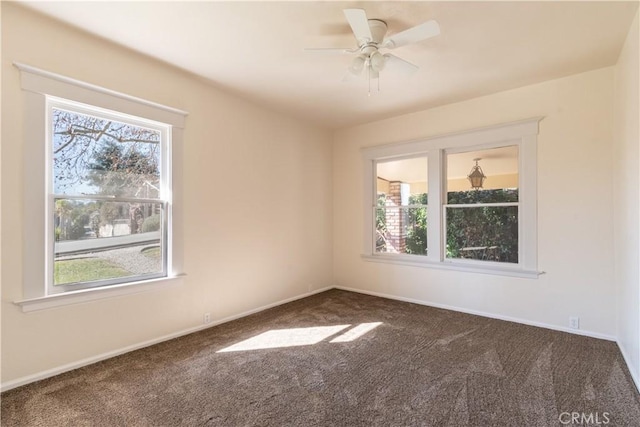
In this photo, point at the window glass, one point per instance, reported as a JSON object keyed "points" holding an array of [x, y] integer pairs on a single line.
{"points": [[401, 208], [481, 213], [92, 155], [109, 215]]}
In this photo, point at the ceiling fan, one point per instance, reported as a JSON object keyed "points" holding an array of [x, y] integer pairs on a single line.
{"points": [[370, 34]]}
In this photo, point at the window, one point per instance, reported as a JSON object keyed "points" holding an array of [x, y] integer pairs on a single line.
{"points": [[110, 200], [482, 223], [401, 206], [423, 210], [102, 197]]}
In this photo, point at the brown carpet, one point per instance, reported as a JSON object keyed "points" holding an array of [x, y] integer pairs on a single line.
{"points": [[420, 366]]}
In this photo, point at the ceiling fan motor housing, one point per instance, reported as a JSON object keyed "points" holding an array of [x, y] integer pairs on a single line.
{"points": [[378, 30], [369, 48]]}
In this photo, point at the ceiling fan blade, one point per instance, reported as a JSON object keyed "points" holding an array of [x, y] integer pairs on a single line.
{"points": [[412, 35], [399, 65], [329, 50], [359, 23]]}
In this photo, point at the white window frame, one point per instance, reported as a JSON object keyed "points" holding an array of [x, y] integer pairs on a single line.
{"points": [[522, 134], [40, 88], [375, 205], [164, 199]]}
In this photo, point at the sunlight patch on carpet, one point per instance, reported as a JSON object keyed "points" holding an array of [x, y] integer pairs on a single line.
{"points": [[293, 337], [286, 338], [357, 332]]}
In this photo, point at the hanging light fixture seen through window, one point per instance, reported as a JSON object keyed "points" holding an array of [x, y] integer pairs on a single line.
{"points": [[476, 176]]}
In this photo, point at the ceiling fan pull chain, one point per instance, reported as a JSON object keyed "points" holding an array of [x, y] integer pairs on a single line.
{"points": [[369, 75]]}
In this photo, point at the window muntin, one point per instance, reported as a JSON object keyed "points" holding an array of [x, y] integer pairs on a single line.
{"points": [[109, 197], [401, 206], [482, 224]]}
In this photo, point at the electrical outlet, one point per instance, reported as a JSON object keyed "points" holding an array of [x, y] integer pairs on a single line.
{"points": [[206, 318], [574, 322]]}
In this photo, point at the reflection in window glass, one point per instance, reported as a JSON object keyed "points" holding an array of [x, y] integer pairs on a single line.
{"points": [[401, 210]]}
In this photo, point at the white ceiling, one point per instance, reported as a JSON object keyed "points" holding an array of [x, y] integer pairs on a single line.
{"points": [[255, 49]]}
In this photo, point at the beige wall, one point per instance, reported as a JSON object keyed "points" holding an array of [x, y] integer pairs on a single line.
{"points": [[575, 210], [243, 249], [626, 192]]}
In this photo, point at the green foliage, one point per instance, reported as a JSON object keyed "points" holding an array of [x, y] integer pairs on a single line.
{"points": [[77, 229], [381, 224], [483, 232], [109, 212], [117, 172], [492, 228], [151, 223], [153, 252], [72, 218], [416, 240], [85, 270], [482, 196], [84, 142]]}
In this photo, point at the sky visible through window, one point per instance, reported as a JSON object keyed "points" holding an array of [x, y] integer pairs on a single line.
{"points": [[92, 155]]}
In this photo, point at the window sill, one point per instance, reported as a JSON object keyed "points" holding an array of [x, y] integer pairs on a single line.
{"points": [[85, 295], [418, 261]]}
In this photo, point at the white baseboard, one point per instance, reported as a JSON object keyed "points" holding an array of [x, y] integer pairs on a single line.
{"points": [[627, 360], [94, 359], [90, 360], [483, 314]]}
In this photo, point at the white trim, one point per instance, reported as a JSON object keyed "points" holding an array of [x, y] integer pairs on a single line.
{"points": [[107, 355], [495, 135], [627, 360], [34, 249], [522, 134], [468, 266], [483, 314], [91, 294], [38, 87], [47, 83], [436, 195], [370, 204]]}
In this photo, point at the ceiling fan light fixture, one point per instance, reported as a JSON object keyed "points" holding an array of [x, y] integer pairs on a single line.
{"points": [[370, 37], [357, 65], [377, 61]]}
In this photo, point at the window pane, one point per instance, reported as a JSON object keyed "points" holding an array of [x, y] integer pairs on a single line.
{"points": [[401, 230], [101, 240], [498, 165], [403, 182], [484, 233], [93, 155]]}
